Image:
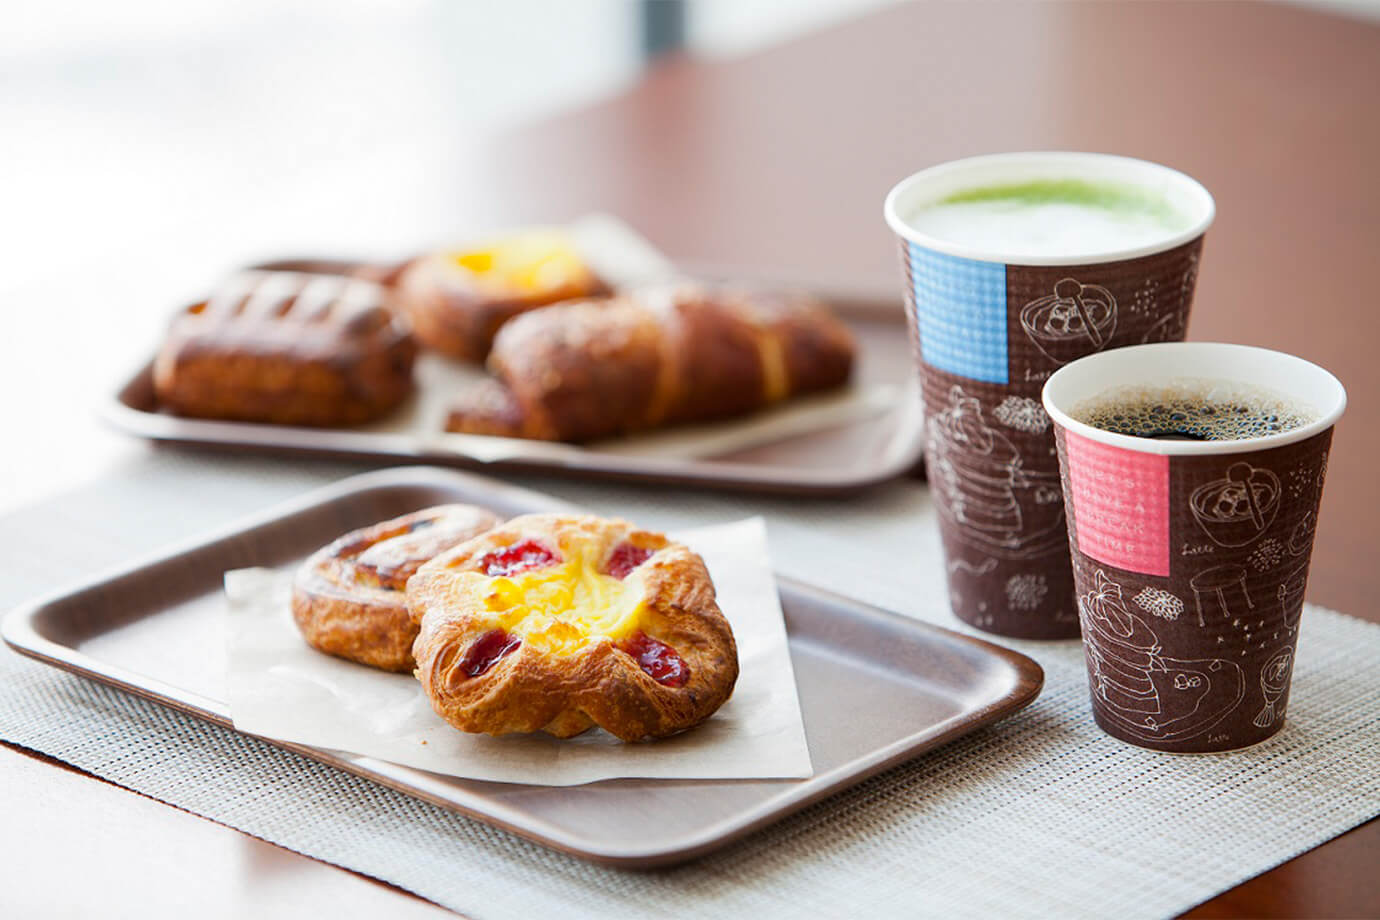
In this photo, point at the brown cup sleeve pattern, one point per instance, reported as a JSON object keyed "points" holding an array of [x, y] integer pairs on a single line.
{"points": [[987, 337], [1190, 574]]}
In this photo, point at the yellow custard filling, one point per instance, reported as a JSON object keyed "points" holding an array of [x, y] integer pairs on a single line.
{"points": [[562, 608], [533, 263]]}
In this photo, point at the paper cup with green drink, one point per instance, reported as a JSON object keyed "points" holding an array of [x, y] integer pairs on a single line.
{"points": [[1017, 264]]}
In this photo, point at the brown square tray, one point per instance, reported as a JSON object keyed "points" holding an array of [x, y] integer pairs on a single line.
{"points": [[875, 688], [835, 460]]}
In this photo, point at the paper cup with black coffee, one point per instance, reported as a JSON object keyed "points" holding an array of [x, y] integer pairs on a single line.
{"points": [[1192, 476], [1017, 264]]}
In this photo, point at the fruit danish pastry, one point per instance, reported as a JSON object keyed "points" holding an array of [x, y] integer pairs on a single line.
{"points": [[650, 357], [458, 300], [287, 348], [556, 623], [348, 598]]}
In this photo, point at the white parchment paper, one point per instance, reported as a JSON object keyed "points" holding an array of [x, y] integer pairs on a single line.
{"points": [[280, 688]]}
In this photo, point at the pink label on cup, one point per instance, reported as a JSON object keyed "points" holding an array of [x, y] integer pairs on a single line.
{"points": [[1120, 505]]}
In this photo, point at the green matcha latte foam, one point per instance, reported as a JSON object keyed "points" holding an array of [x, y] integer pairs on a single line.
{"points": [[1049, 208]]}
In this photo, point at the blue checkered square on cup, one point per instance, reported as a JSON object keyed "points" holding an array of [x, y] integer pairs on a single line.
{"points": [[960, 307]]}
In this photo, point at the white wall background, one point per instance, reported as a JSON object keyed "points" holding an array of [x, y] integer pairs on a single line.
{"points": [[146, 146]]}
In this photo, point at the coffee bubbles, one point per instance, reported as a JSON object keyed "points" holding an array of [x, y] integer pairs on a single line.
{"points": [[1194, 410]]}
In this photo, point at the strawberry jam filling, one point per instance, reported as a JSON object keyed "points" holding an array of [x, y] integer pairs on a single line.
{"points": [[658, 659], [487, 651], [625, 558], [522, 556]]}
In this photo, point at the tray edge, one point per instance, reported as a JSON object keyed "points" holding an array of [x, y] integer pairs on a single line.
{"points": [[19, 634]]}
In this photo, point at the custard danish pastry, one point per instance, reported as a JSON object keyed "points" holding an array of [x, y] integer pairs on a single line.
{"points": [[557, 623], [458, 299]]}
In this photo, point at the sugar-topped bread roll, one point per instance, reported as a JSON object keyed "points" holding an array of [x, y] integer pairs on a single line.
{"points": [[347, 598]]}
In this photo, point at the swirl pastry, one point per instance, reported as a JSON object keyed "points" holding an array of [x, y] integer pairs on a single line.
{"points": [[556, 623], [651, 357], [287, 348], [458, 300], [348, 597]]}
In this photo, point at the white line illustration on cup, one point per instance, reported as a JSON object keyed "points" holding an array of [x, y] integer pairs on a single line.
{"points": [[1301, 537], [1168, 328], [1188, 281], [1026, 591], [1150, 695], [1159, 602], [1290, 594], [982, 485], [1144, 299], [1076, 320], [1274, 680], [1267, 554], [982, 619], [1213, 591], [963, 565], [1301, 482], [1023, 414], [1236, 510]]}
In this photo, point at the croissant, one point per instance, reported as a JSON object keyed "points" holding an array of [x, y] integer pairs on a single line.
{"points": [[557, 623], [650, 357], [458, 300], [347, 598]]}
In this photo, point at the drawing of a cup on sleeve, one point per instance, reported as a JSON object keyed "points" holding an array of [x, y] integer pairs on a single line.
{"points": [[1236, 510], [1274, 687], [1077, 319], [1290, 594]]}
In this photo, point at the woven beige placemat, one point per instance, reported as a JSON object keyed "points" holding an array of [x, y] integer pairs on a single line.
{"points": [[1040, 815]]}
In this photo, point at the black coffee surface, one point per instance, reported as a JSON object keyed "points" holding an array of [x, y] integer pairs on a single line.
{"points": [[1206, 411]]}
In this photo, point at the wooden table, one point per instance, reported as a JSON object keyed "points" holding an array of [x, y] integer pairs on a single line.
{"points": [[776, 164]]}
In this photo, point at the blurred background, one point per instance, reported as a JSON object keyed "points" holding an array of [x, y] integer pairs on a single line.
{"points": [[149, 147]]}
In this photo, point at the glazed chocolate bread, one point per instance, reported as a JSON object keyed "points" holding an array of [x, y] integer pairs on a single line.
{"points": [[287, 348]]}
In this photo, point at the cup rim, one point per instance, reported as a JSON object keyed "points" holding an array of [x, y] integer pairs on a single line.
{"points": [[1054, 159], [1328, 414]]}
